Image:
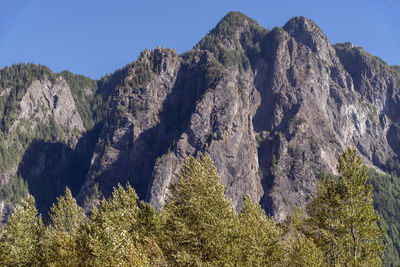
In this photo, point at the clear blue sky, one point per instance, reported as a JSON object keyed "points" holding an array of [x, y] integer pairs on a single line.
{"points": [[95, 37]]}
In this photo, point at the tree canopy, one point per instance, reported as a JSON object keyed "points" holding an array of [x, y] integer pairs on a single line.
{"points": [[342, 219], [199, 227]]}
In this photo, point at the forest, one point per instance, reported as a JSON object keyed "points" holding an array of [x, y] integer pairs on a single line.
{"points": [[198, 227]]}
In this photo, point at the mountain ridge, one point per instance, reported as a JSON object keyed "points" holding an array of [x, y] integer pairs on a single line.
{"points": [[272, 108], [229, 44], [234, 32]]}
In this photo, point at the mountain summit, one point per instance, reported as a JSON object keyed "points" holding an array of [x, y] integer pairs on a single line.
{"points": [[271, 108]]}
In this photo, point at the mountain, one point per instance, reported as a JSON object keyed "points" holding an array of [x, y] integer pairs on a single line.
{"points": [[49, 127], [272, 108]]}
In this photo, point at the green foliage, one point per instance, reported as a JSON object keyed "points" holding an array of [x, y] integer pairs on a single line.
{"points": [[15, 190], [299, 249], [93, 194], [141, 71], [215, 72], [226, 30], [343, 222], [200, 227], [156, 60], [22, 75], [149, 220], [110, 238], [142, 75], [358, 51], [149, 227], [14, 144], [19, 243], [259, 237], [135, 106], [66, 215], [58, 245], [92, 99], [358, 62], [387, 203], [17, 79], [228, 58], [108, 83], [85, 93], [211, 69]]}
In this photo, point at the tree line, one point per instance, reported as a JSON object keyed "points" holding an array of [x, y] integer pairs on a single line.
{"points": [[198, 227]]}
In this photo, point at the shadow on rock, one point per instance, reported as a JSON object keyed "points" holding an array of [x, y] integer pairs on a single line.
{"points": [[49, 167]]}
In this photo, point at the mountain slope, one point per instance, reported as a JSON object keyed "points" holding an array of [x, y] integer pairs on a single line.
{"points": [[272, 108], [276, 110], [49, 126]]}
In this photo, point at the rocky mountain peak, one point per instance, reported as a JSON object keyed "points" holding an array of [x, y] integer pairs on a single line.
{"points": [[234, 41], [261, 103], [305, 31], [234, 21]]}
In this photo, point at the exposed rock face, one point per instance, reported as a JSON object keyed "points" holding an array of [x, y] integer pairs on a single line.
{"points": [[46, 129], [319, 111], [221, 126], [160, 124], [133, 136], [44, 101], [5, 211], [273, 109]]}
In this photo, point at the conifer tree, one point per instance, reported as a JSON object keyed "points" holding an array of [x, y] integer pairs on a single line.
{"points": [[259, 237], [111, 238], [59, 243], [200, 227], [149, 227], [299, 249], [19, 244], [343, 222]]}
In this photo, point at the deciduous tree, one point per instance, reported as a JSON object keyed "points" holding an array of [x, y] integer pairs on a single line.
{"points": [[19, 244], [59, 245], [200, 226], [343, 222], [111, 238], [259, 237]]}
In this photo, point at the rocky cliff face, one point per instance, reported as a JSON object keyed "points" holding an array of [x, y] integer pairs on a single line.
{"points": [[44, 145], [45, 114], [44, 104], [44, 101], [272, 109]]}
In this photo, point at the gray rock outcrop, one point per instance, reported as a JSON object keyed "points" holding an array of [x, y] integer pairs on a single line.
{"points": [[271, 108]]}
